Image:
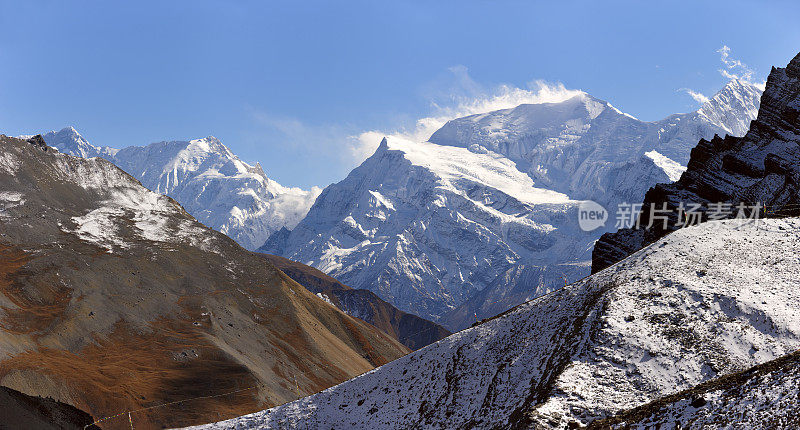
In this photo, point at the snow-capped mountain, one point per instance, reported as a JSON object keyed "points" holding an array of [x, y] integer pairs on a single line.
{"points": [[69, 141], [425, 226], [491, 201], [733, 107], [703, 302], [208, 180], [218, 188], [759, 168]]}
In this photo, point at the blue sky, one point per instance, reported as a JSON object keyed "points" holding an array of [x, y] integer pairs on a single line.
{"points": [[290, 83]]}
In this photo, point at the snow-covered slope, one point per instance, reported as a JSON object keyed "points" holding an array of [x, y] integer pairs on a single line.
{"points": [[766, 396], [430, 226], [703, 302], [208, 180], [425, 226]]}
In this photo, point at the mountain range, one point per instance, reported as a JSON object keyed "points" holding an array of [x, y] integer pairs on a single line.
{"points": [[210, 182], [699, 328], [485, 215], [479, 219], [237, 199]]}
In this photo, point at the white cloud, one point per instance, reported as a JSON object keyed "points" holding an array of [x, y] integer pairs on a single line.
{"points": [[345, 146], [467, 98]]}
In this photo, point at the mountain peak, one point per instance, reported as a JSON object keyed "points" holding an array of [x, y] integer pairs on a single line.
{"points": [[68, 140], [738, 86], [793, 68], [732, 107], [68, 131]]}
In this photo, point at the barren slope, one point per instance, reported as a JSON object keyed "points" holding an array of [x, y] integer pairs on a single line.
{"points": [[411, 330]]}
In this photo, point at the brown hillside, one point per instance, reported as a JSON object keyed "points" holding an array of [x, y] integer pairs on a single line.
{"points": [[412, 331]]}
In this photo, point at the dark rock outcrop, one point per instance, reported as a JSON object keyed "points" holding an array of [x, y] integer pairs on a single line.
{"points": [[38, 142], [760, 171], [20, 411]]}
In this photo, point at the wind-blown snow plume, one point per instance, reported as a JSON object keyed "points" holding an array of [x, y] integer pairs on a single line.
{"points": [[697, 96], [734, 69], [475, 100]]}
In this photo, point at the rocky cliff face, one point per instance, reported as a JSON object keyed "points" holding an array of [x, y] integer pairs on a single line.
{"points": [[114, 298], [762, 167]]}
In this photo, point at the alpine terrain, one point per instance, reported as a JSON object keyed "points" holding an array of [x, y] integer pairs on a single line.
{"points": [[113, 298], [485, 215], [762, 168], [649, 326], [699, 327], [208, 180]]}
